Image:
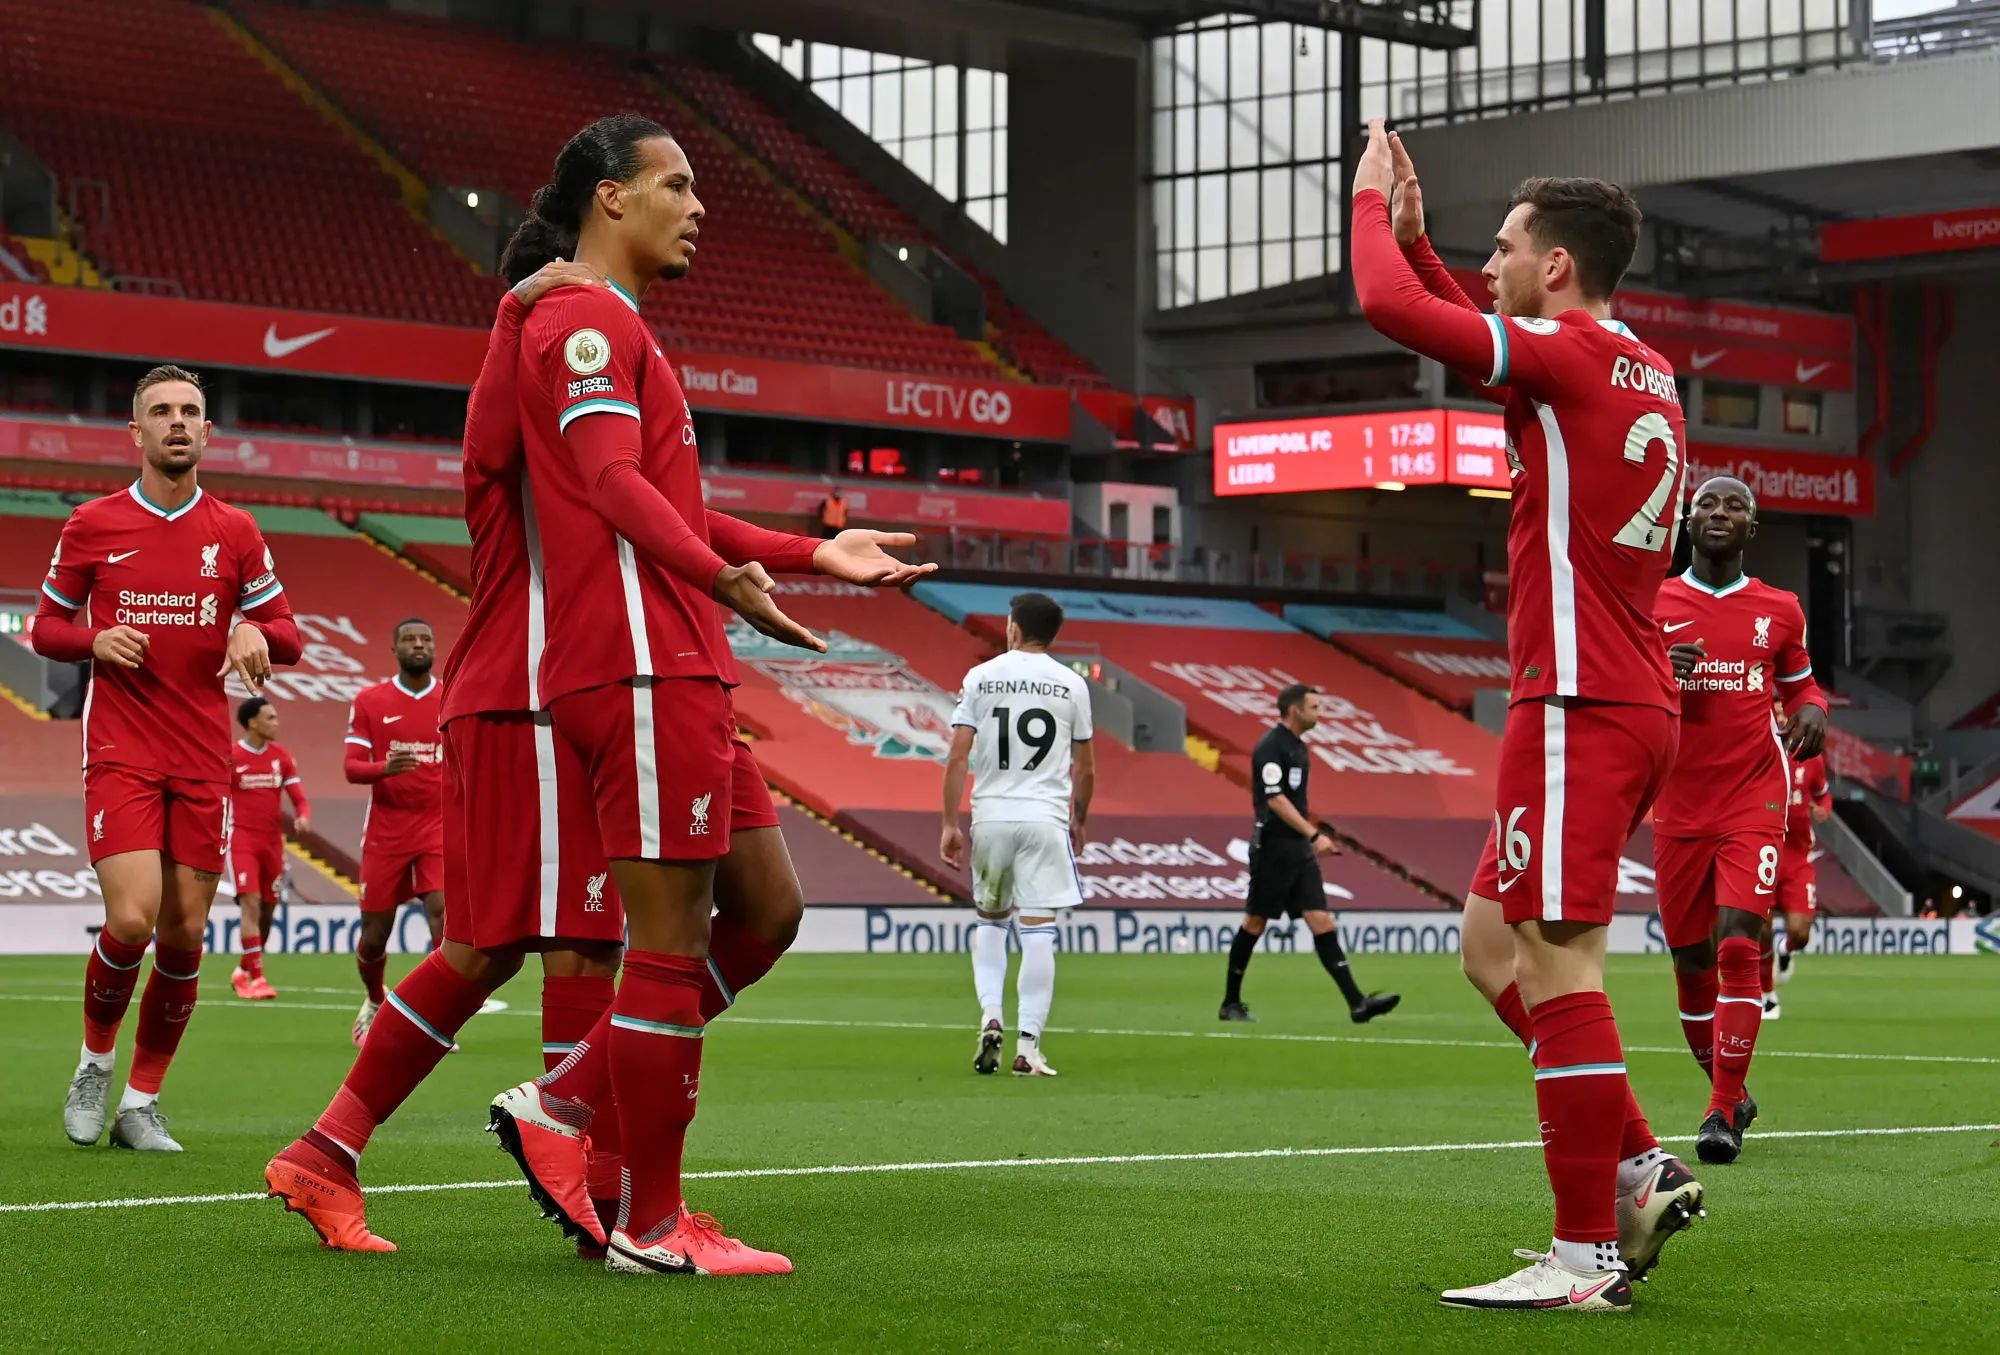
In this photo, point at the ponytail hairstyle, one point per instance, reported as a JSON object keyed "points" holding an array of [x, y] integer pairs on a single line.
{"points": [[606, 149]]}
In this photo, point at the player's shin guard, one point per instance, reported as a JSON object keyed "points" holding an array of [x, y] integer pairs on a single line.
{"points": [[413, 1033], [1583, 1096], [1697, 1003], [1035, 985], [737, 958], [370, 965], [989, 968], [109, 977], [1739, 1011], [163, 1015], [655, 1050], [1514, 1013]]}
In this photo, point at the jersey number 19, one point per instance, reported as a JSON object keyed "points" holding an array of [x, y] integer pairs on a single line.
{"points": [[1036, 728]]}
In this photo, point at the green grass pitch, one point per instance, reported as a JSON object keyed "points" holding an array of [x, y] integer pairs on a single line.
{"points": [[1844, 1242]]}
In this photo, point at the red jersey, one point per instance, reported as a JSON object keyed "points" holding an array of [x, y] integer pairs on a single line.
{"points": [[407, 810], [586, 356], [1809, 792], [264, 776], [1595, 438], [1731, 770], [496, 664], [179, 576]]}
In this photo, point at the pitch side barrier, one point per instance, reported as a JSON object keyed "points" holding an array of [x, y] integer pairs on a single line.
{"points": [[66, 928]]}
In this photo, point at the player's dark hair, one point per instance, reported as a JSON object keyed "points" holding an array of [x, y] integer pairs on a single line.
{"points": [[1597, 222], [250, 710], [607, 149], [1291, 696], [159, 376], [397, 633], [1039, 616]]}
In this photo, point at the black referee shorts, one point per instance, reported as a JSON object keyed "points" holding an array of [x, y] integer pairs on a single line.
{"points": [[1284, 883]]}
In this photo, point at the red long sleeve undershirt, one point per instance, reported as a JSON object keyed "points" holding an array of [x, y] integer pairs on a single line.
{"points": [[606, 448], [1400, 306], [57, 635], [300, 809], [740, 542], [492, 415], [360, 768]]}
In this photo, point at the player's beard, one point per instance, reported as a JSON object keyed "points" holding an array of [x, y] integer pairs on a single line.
{"points": [[674, 272], [418, 667]]}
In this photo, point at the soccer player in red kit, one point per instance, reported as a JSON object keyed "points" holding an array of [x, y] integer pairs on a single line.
{"points": [[1719, 826], [394, 744], [1798, 888], [160, 572], [1595, 433], [264, 774], [538, 880]]}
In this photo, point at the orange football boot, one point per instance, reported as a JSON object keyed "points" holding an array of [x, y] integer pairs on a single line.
{"points": [[334, 1209], [694, 1246]]}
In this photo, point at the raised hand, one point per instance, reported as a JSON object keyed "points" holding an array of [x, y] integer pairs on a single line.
{"points": [[1375, 169], [1406, 199], [557, 273]]}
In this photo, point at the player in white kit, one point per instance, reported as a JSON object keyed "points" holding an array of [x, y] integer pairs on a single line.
{"points": [[1028, 719]]}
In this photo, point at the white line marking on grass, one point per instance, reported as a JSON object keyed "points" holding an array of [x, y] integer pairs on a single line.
{"points": [[987, 1164], [959, 1028]]}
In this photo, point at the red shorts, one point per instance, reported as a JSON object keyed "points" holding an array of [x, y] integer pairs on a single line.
{"points": [[1696, 876], [132, 809], [1798, 881], [663, 755], [257, 864], [521, 853], [391, 877], [1575, 781]]}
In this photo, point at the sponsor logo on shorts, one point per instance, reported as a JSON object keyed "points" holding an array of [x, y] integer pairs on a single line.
{"points": [[699, 809], [1533, 670], [593, 893], [97, 826]]}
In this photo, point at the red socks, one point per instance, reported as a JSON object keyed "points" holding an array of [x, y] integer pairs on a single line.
{"points": [[1583, 1096], [253, 957], [655, 1049], [109, 977], [163, 1015], [1739, 1011], [576, 1015], [570, 1007], [371, 967], [412, 1033], [1509, 1008], [1697, 997], [737, 958]]}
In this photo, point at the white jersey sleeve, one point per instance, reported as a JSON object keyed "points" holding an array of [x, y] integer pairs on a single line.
{"points": [[1025, 711]]}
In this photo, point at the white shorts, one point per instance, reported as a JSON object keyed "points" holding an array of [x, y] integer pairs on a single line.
{"points": [[1023, 867]]}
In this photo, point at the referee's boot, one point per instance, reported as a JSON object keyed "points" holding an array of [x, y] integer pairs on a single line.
{"points": [[1234, 1011], [1372, 1006]]}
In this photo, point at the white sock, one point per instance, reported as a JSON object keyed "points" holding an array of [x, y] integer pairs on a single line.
{"points": [[134, 1099], [101, 1062], [989, 969], [1587, 1256], [1633, 1170], [1035, 986]]}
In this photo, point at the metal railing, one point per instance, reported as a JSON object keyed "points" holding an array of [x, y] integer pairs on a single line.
{"points": [[1963, 28], [1865, 868]]}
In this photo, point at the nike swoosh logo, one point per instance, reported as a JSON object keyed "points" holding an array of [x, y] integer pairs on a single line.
{"points": [[1701, 362], [390, 719], [118, 555], [1506, 885], [1585, 1295], [1678, 625], [1808, 373], [275, 347], [1645, 1193], [1760, 890]]}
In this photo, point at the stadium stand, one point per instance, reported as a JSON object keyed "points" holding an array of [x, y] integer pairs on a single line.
{"points": [[864, 209], [475, 109], [1443, 658], [219, 181]]}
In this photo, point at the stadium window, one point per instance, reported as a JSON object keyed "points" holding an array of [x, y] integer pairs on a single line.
{"points": [[1337, 381], [1729, 404], [1802, 412], [914, 110]]}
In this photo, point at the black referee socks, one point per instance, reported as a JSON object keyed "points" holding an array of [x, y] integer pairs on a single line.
{"points": [[1327, 943], [1240, 951]]}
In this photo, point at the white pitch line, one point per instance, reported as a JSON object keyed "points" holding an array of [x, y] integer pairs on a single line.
{"points": [[230, 1004], [987, 1164]]}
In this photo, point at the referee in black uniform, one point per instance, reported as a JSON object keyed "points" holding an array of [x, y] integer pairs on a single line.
{"points": [[1285, 848]]}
